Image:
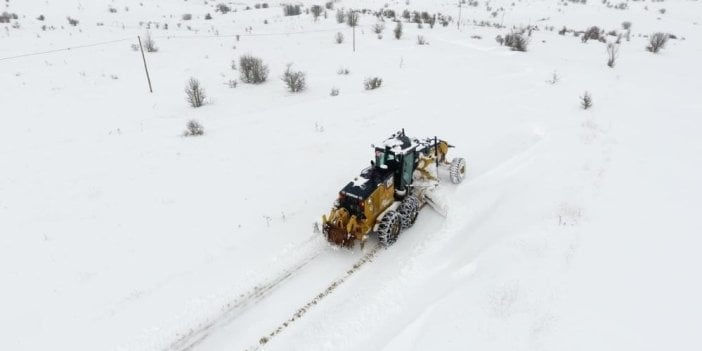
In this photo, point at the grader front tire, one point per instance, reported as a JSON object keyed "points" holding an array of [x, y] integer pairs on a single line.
{"points": [[389, 228]]}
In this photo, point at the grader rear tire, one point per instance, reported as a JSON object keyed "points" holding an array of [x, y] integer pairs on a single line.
{"points": [[408, 210], [389, 228]]}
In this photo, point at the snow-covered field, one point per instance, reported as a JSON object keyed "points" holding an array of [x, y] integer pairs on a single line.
{"points": [[575, 229]]}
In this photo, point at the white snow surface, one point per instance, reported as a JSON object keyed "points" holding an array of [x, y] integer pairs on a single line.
{"points": [[574, 229]]}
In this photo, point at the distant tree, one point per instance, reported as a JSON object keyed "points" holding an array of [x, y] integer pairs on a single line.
{"points": [[612, 53], [223, 8], [340, 16], [398, 30], [316, 11], [252, 69]]}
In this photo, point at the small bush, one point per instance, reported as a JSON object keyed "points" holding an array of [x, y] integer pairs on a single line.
{"points": [[292, 10], [223, 8], [398, 30], [339, 38], [329, 5], [352, 18], [5, 17], [372, 83], [421, 40], [187, 17], [208, 17], [316, 11], [193, 128], [112, 9], [591, 33], [340, 16], [149, 43], [334, 91], [500, 40], [194, 93], [586, 101], [41, 18], [657, 42], [612, 53], [343, 71], [378, 27], [252, 69], [294, 80], [516, 41], [72, 21]]}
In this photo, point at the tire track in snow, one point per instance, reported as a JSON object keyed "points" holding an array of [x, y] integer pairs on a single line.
{"points": [[233, 309], [368, 257]]}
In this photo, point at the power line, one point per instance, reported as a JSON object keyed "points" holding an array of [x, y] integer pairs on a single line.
{"points": [[66, 49], [169, 37]]}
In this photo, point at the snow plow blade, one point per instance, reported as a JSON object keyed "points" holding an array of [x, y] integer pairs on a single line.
{"points": [[437, 204]]}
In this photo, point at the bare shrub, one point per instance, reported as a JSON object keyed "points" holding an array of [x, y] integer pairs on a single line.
{"points": [[294, 80], [72, 21], [421, 40], [112, 9], [340, 16], [339, 38], [193, 128], [329, 5], [627, 26], [372, 83], [343, 71], [612, 53], [5, 17], [316, 11], [334, 91], [252, 69], [292, 10], [591, 33], [187, 17], [554, 78], [500, 40], [352, 18], [223, 8], [586, 101], [149, 43], [378, 27], [516, 41], [194, 93], [657, 42], [398, 30]]}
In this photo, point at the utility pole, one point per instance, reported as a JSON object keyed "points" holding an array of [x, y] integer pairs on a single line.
{"points": [[143, 57], [458, 23], [352, 20]]}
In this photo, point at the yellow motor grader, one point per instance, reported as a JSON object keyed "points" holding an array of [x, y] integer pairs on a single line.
{"points": [[387, 196]]}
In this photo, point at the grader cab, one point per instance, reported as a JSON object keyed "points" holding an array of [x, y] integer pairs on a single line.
{"points": [[387, 196]]}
